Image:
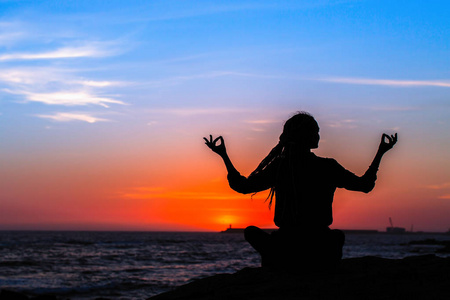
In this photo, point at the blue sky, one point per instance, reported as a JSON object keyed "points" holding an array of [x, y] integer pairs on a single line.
{"points": [[123, 79]]}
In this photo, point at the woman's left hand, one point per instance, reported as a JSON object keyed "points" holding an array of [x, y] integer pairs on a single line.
{"points": [[217, 148]]}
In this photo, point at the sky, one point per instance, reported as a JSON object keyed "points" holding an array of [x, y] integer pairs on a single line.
{"points": [[104, 106]]}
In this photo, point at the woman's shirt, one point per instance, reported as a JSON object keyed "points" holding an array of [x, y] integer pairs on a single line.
{"points": [[304, 188]]}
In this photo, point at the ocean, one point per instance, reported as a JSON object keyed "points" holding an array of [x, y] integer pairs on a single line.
{"points": [[137, 265]]}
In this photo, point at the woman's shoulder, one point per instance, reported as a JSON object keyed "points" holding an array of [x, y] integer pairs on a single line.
{"points": [[323, 159], [327, 161]]}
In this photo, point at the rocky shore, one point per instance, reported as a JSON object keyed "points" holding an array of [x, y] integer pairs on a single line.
{"points": [[417, 277]]}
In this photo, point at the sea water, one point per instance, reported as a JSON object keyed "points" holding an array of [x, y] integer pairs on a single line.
{"points": [[137, 265]]}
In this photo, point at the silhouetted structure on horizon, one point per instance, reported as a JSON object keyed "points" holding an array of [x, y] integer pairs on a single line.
{"points": [[393, 229]]}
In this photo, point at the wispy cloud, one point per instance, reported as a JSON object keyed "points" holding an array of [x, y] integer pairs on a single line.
{"points": [[395, 108], [209, 75], [44, 75], [349, 123], [67, 117], [67, 98], [10, 33], [9, 38], [441, 186], [55, 86], [94, 83], [387, 82], [196, 111], [262, 122], [67, 52], [32, 76]]}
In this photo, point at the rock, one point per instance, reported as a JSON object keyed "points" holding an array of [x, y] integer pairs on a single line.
{"points": [[417, 277], [12, 295]]}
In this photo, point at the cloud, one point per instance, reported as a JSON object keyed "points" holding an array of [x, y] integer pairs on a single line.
{"points": [[67, 52], [387, 82], [44, 75], [66, 98], [445, 185], [210, 75], [261, 122], [440, 187], [11, 33], [31, 76], [67, 117], [54, 86], [94, 83], [395, 108], [185, 112], [9, 38], [349, 123]]}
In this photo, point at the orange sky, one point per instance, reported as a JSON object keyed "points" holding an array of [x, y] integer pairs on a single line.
{"points": [[181, 184]]}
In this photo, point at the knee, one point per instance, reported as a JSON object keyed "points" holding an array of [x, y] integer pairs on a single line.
{"points": [[339, 237], [249, 232]]}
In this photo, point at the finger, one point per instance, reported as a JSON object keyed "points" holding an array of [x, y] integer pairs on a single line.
{"points": [[215, 141], [206, 140], [210, 138], [393, 139], [383, 137]]}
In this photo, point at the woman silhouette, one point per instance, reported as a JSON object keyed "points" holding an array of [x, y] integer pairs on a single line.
{"points": [[303, 185]]}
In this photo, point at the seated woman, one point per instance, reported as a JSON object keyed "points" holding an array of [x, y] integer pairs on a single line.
{"points": [[303, 186]]}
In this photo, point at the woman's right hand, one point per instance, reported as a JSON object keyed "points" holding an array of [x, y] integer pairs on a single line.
{"points": [[217, 148], [385, 146]]}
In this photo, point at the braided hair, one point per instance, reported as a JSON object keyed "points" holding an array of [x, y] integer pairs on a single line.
{"points": [[296, 131]]}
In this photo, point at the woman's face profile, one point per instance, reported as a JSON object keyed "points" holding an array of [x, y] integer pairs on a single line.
{"points": [[314, 137]]}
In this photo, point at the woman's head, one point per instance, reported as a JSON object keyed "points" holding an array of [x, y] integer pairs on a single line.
{"points": [[301, 130]]}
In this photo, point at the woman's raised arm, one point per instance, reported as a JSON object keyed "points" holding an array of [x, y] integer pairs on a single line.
{"points": [[386, 144], [237, 182], [217, 145], [366, 182]]}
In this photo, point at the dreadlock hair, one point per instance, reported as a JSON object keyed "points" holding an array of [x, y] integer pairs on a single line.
{"points": [[294, 130]]}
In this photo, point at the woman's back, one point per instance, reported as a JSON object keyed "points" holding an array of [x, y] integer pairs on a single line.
{"points": [[304, 189]]}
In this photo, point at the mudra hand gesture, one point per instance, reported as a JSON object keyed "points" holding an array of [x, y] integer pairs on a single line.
{"points": [[217, 148], [387, 142]]}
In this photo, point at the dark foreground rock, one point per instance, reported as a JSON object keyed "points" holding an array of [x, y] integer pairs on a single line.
{"points": [[12, 295], [418, 277]]}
